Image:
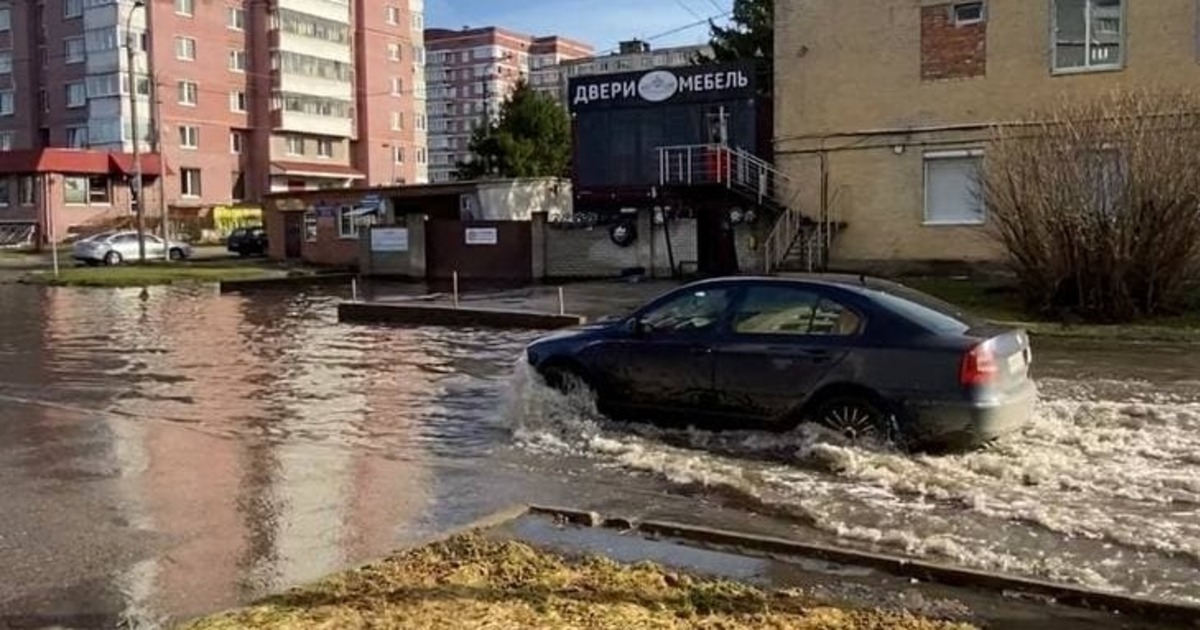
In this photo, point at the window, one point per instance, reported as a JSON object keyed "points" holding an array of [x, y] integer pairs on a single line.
{"points": [[421, 156], [393, 52], [189, 93], [72, 9], [185, 7], [189, 137], [348, 224], [789, 311], [77, 137], [324, 148], [393, 15], [75, 190], [5, 193], [6, 140], [295, 145], [6, 59], [237, 142], [237, 101], [189, 182], [968, 13], [951, 188], [695, 312], [237, 19], [310, 226], [99, 193], [397, 121], [237, 60], [5, 19], [397, 86], [6, 103], [26, 190], [1088, 34], [420, 122], [185, 48], [74, 50], [398, 155], [76, 94], [238, 191]]}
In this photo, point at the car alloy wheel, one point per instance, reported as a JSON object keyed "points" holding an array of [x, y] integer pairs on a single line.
{"points": [[176, 253], [855, 419], [112, 258]]}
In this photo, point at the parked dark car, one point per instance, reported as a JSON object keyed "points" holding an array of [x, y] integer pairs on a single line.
{"points": [[864, 357], [248, 241]]}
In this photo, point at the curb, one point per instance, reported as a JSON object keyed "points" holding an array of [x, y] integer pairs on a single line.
{"points": [[237, 286], [411, 314], [1071, 596]]}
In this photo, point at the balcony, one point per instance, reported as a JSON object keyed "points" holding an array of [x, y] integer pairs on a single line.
{"points": [[284, 120], [291, 42], [327, 9], [314, 86]]}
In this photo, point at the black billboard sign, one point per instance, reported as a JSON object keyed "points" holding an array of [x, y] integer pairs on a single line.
{"points": [[688, 84]]}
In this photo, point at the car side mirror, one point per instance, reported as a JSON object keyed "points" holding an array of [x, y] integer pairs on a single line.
{"points": [[635, 327]]}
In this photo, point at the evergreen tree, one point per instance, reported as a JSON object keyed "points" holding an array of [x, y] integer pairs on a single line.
{"points": [[750, 34], [530, 138]]}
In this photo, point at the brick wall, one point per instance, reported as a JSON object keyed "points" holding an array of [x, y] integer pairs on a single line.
{"points": [[948, 50]]}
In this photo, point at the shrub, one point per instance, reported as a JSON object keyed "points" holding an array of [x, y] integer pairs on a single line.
{"points": [[1098, 204]]}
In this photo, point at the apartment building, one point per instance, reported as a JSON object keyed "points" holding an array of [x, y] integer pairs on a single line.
{"points": [[884, 109], [471, 72], [630, 56], [233, 99]]}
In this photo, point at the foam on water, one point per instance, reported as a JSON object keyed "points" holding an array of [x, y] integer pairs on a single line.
{"points": [[1100, 493]]}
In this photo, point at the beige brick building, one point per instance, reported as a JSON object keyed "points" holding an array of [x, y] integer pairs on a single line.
{"points": [[884, 108]]}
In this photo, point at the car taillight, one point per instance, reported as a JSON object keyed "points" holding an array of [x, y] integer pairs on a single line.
{"points": [[979, 365]]}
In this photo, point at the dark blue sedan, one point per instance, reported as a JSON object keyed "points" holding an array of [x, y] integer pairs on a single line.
{"points": [[864, 357]]}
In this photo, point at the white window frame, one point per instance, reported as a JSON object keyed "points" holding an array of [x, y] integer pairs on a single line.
{"points": [[342, 220], [72, 9], [185, 48], [66, 189], [6, 140], [70, 57], [5, 19], [185, 183], [27, 190], [237, 142], [186, 8], [324, 148], [236, 19], [6, 62], [960, 6], [393, 52], [1088, 66], [397, 121], [238, 101], [185, 88], [236, 54], [931, 157], [189, 137], [392, 14], [292, 148], [74, 88], [397, 86]]}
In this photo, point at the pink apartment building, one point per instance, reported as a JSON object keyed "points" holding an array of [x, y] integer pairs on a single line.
{"points": [[235, 98], [471, 71]]}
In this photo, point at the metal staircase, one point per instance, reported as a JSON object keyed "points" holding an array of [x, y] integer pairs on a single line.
{"points": [[797, 242]]}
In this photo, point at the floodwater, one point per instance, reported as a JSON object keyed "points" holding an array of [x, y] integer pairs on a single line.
{"points": [[170, 452]]}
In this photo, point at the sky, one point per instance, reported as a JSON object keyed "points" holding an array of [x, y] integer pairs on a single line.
{"points": [[601, 23]]}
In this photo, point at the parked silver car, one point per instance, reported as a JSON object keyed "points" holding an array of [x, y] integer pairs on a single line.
{"points": [[114, 248]]}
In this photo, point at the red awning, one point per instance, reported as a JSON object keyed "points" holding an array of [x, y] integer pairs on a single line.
{"points": [[122, 164], [316, 169]]}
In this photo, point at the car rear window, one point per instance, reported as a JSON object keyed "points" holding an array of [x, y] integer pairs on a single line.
{"points": [[923, 309]]}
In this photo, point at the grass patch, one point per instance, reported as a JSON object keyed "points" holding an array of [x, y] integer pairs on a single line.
{"points": [[145, 275], [1002, 303], [472, 582]]}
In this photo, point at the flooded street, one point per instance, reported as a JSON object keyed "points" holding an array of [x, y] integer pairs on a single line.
{"points": [[172, 452]]}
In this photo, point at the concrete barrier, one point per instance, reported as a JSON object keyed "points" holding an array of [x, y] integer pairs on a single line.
{"points": [[316, 279], [424, 314]]}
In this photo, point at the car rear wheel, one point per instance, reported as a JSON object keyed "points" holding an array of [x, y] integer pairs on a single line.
{"points": [[176, 253], [112, 258], [858, 419]]}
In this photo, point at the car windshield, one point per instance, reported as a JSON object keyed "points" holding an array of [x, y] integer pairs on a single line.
{"points": [[922, 308]]}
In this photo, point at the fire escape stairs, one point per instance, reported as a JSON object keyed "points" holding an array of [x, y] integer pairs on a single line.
{"points": [[796, 240]]}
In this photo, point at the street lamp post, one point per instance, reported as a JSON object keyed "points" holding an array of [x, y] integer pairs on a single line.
{"points": [[135, 188]]}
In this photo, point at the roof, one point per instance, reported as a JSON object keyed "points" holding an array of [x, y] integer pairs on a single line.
{"points": [[80, 161], [409, 191]]}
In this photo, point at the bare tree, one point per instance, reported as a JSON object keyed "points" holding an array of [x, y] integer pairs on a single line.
{"points": [[1098, 204]]}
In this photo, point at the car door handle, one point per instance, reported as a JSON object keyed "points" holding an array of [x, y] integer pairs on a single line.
{"points": [[819, 356], [701, 350]]}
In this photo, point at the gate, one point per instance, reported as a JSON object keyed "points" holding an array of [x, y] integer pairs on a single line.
{"points": [[498, 252]]}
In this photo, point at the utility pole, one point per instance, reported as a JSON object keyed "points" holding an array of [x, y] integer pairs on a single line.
{"points": [[136, 185]]}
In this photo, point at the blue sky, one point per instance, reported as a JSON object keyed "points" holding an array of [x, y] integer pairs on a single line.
{"points": [[601, 23]]}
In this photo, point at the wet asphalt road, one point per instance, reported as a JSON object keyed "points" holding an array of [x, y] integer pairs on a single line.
{"points": [[170, 453]]}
